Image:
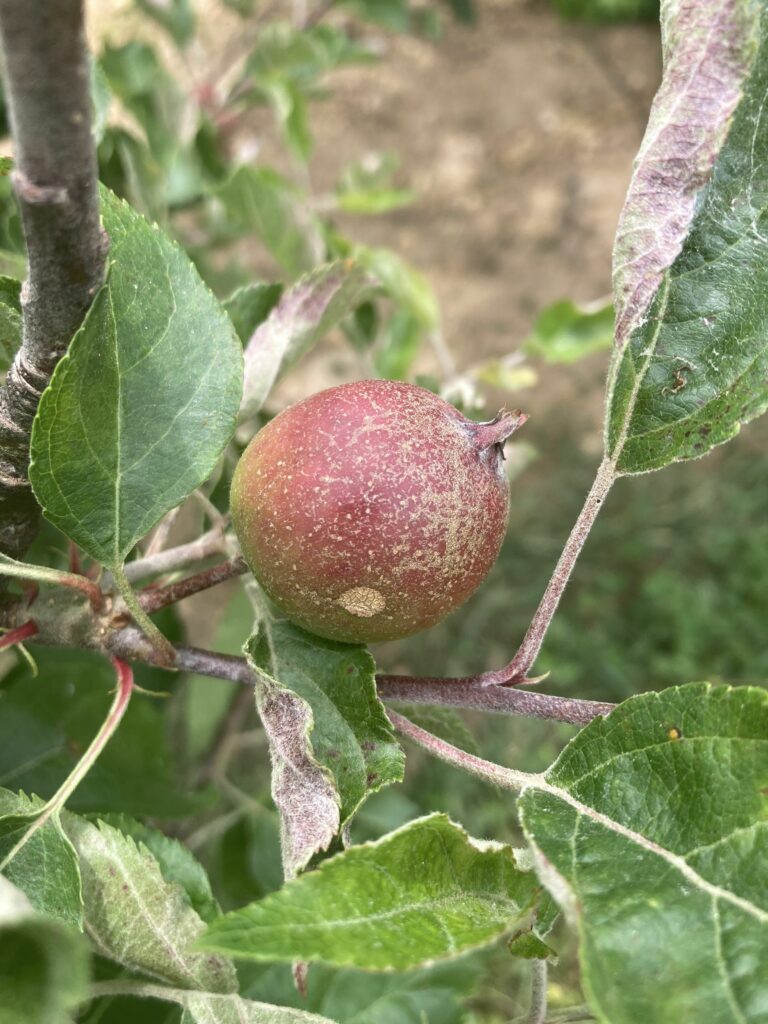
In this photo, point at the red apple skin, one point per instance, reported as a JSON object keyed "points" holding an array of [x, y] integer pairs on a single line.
{"points": [[371, 510]]}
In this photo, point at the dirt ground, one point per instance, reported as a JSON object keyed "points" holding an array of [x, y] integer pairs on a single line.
{"points": [[518, 135]]}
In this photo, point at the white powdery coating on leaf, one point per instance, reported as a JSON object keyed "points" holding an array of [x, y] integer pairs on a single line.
{"points": [[303, 793], [708, 48]]}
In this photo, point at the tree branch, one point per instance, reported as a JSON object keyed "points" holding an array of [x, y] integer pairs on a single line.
{"points": [[153, 600], [472, 693], [537, 1012], [47, 76], [130, 644], [181, 557]]}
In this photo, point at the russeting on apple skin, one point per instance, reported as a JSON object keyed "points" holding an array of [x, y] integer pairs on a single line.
{"points": [[371, 510]]}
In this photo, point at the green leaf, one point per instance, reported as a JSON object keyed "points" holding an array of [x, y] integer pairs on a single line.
{"points": [[565, 332], [301, 57], [244, 8], [290, 107], [10, 293], [175, 16], [367, 186], [651, 831], [142, 84], [432, 995], [135, 917], [176, 862], [45, 868], [207, 1009], [403, 284], [10, 321], [144, 402], [510, 373], [690, 270], [399, 346], [258, 199], [101, 99], [47, 723], [423, 893], [339, 727], [305, 313], [375, 200], [44, 966], [129, 169], [609, 10], [250, 306]]}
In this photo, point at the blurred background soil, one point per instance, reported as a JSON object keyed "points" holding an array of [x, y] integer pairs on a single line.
{"points": [[517, 133]]}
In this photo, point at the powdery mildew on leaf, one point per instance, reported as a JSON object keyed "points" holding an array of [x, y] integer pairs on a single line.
{"points": [[425, 892], [651, 830], [695, 366], [136, 918], [302, 790], [708, 45], [303, 315], [331, 741]]}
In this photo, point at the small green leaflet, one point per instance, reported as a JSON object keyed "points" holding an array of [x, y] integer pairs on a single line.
{"points": [[135, 917], [141, 407], [651, 831], [45, 867], [258, 199], [565, 332], [305, 313], [425, 892], [177, 17], [691, 259], [44, 966], [318, 702]]}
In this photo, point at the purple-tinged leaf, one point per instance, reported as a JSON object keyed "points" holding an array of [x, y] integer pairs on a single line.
{"points": [[708, 46], [331, 742], [306, 312], [302, 789]]}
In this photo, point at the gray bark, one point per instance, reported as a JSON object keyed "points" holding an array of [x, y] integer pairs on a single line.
{"points": [[47, 76]]}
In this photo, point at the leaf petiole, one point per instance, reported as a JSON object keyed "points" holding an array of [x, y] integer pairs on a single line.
{"points": [[162, 644], [54, 806]]}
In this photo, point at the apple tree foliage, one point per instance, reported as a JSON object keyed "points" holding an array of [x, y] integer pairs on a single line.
{"points": [[648, 833]]}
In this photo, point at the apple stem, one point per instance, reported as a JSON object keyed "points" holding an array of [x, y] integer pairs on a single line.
{"points": [[499, 429]]}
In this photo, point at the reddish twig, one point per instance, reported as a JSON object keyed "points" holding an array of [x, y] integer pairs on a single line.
{"points": [[518, 668], [155, 598], [18, 635], [508, 778], [472, 693], [74, 559], [130, 644]]}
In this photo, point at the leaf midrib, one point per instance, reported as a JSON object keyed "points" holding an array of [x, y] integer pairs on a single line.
{"points": [[673, 859]]}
